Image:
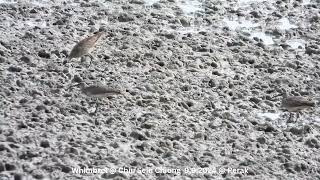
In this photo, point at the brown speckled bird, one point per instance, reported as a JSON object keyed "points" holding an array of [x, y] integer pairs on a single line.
{"points": [[296, 104], [85, 46], [98, 91]]}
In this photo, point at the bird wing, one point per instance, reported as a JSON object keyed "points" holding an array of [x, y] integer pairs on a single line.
{"points": [[99, 90], [92, 40], [299, 101], [84, 46]]}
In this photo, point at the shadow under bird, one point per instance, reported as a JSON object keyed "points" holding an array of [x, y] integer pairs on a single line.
{"points": [[85, 46], [296, 104], [98, 91]]}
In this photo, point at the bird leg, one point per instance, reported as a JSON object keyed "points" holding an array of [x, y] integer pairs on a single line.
{"points": [[298, 115], [97, 105], [92, 58], [290, 118]]}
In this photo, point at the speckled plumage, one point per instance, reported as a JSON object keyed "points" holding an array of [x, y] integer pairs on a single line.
{"points": [[99, 91], [296, 103], [85, 46]]}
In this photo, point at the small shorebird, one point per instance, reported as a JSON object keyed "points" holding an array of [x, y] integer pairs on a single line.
{"points": [[85, 46], [98, 91], [296, 104]]}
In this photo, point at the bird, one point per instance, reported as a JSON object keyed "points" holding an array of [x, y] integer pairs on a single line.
{"points": [[85, 46], [296, 103], [98, 91]]}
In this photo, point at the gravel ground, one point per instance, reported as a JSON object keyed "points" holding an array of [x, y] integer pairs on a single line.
{"points": [[202, 81]]}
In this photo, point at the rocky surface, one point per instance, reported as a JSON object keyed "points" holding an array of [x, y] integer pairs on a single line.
{"points": [[202, 84]]}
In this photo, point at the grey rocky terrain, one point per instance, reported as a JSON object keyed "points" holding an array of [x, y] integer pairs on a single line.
{"points": [[202, 81]]}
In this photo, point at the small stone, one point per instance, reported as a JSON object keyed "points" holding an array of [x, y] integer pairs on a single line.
{"points": [[261, 140], [161, 63], [10, 167], [14, 69], [217, 73], [40, 107], [167, 154], [125, 18], [312, 143], [185, 22], [59, 22], [44, 54], [45, 144], [3, 147], [214, 64], [28, 155], [255, 100], [296, 131], [267, 128], [198, 136], [138, 135], [65, 169], [212, 83], [2, 168], [33, 11], [37, 174], [2, 59], [286, 151], [148, 125], [19, 83], [77, 79], [116, 175], [114, 145], [137, 2], [170, 36], [23, 101], [157, 6], [18, 177], [22, 125], [291, 65], [255, 14], [91, 23]]}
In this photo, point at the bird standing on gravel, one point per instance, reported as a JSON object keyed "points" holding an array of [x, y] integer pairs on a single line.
{"points": [[296, 103], [85, 46], [98, 91]]}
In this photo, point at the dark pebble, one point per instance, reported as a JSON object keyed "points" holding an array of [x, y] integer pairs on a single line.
{"points": [[125, 18], [261, 140], [255, 100], [77, 78], [45, 144], [2, 59], [18, 177], [312, 143], [59, 22], [138, 135], [44, 54], [14, 69], [65, 169], [10, 167], [2, 168]]}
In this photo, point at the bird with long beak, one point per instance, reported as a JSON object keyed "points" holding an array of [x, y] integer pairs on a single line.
{"points": [[98, 92], [85, 46], [295, 104]]}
